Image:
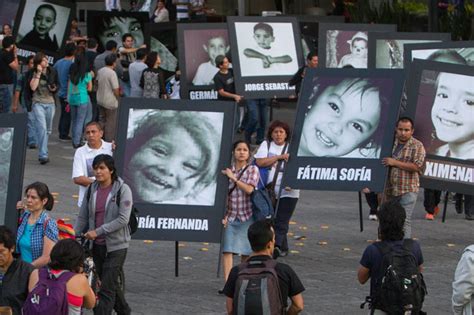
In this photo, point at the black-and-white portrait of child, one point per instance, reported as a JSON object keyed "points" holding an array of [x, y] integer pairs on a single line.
{"points": [[43, 25], [346, 49], [113, 25], [266, 49], [202, 46], [6, 143], [171, 157], [161, 37], [448, 128], [345, 117]]}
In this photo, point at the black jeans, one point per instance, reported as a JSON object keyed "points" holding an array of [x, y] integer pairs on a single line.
{"points": [[64, 120], [109, 266], [282, 220], [372, 201], [431, 200]]}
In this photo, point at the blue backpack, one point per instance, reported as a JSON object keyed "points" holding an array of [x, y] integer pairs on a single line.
{"points": [[49, 296]]}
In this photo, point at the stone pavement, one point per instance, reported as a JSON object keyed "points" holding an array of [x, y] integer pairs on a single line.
{"points": [[325, 241]]}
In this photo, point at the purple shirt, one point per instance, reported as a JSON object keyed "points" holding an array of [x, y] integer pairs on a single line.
{"points": [[100, 202]]}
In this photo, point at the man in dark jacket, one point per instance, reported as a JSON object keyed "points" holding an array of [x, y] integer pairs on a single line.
{"points": [[311, 62], [14, 273]]}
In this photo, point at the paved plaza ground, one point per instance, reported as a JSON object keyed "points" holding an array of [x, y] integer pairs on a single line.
{"points": [[325, 240]]}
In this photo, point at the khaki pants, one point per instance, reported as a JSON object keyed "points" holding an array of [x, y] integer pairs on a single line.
{"points": [[108, 118]]}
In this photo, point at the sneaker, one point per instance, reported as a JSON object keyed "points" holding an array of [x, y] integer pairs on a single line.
{"points": [[32, 146], [429, 217], [283, 253], [436, 211], [469, 217], [373, 217], [43, 161]]}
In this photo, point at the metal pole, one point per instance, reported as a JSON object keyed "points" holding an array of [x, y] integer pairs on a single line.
{"points": [[433, 16], [360, 213], [176, 259], [445, 206], [241, 7]]}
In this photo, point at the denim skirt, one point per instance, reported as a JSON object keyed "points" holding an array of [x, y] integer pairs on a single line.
{"points": [[235, 238]]}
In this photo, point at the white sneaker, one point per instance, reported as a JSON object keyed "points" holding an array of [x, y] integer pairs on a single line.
{"points": [[373, 217]]}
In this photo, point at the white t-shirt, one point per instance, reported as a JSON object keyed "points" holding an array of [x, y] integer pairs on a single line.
{"points": [[107, 82], [262, 152], [82, 165], [254, 66]]}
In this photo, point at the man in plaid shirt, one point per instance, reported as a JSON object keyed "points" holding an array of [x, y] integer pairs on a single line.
{"points": [[406, 164]]}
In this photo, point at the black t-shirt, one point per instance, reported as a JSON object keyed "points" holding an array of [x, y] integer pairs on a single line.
{"points": [[6, 73], [290, 284], [226, 82], [14, 285], [372, 259]]}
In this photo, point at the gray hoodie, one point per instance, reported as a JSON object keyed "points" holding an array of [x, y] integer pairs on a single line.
{"points": [[115, 227], [463, 284]]}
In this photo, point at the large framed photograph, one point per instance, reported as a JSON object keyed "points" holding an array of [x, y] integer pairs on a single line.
{"points": [[171, 155], [461, 52], [161, 37], [309, 30], [12, 155], [198, 46], [441, 101], [42, 26], [386, 50], [266, 53], [346, 45], [344, 126], [105, 26]]}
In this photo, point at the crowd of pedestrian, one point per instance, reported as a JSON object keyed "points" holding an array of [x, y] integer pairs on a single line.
{"points": [[88, 87]]}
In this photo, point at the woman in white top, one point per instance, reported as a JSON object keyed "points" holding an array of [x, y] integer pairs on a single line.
{"points": [[268, 155]]}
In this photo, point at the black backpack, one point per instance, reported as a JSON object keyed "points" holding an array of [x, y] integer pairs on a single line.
{"points": [[132, 221], [257, 290], [402, 289]]}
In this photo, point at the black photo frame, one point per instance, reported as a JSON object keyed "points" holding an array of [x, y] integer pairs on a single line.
{"points": [[390, 58], [253, 78], [427, 51], [29, 40], [161, 37], [176, 219], [309, 30], [12, 154], [119, 23], [354, 139], [196, 62], [336, 38], [444, 132]]}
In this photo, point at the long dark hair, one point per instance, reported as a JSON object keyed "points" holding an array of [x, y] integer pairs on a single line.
{"points": [[78, 69], [43, 192], [67, 254]]}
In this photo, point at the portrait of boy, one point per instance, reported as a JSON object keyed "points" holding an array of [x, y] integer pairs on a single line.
{"points": [[43, 25], [269, 51], [206, 71]]}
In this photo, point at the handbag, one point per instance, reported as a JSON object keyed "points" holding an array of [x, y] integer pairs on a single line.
{"points": [[262, 207], [271, 187]]}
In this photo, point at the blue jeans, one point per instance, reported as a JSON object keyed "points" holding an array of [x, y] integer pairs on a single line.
{"points": [[6, 94], [30, 125], [125, 87], [78, 119], [44, 114], [257, 119], [408, 201]]}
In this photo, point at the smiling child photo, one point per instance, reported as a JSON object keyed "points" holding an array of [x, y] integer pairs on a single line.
{"points": [[172, 156]]}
